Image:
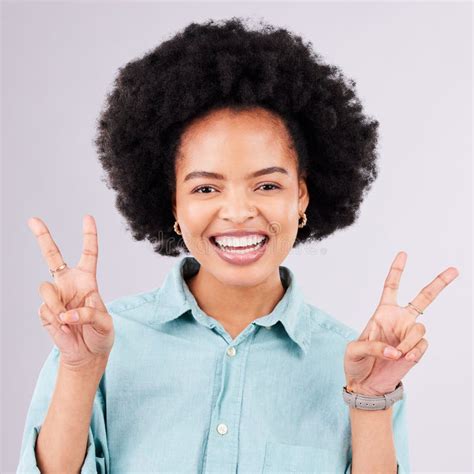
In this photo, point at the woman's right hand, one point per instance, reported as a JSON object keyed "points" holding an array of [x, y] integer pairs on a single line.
{"points": [[89, 340]]}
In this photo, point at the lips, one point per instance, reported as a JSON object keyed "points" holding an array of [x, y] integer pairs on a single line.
{"points": [[243, 257]]}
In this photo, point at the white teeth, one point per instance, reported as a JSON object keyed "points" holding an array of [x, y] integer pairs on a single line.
{"points": [[225, 241], [242, 251]]}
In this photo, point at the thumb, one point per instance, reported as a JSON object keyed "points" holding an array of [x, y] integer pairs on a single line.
{"points": [[358, 350], [100, 320]]}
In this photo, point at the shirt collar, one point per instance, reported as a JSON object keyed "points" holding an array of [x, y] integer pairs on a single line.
{"points": [[173, 299]]}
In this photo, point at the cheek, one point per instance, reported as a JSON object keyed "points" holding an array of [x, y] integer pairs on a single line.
{"points": [[196, 219], [196, 216], [284, 229], [282, 213]]}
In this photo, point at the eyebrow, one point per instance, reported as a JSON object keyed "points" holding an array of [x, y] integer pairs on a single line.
{"points": [[255, 174]]}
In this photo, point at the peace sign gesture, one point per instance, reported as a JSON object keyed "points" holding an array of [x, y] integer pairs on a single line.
{"points": [[91, 336], [369, 369]]}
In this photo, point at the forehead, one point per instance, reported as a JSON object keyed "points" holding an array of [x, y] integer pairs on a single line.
{"points": [[226, 137]]}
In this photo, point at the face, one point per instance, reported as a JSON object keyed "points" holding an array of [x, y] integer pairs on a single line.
{"points": [[220, 188]]}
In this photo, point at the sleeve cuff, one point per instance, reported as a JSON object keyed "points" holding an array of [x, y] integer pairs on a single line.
{"points": [[28, 463]]}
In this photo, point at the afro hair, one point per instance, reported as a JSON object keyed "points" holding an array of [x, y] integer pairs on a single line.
{"points": [[209, 66]]}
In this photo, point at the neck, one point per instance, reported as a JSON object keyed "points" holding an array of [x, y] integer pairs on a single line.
{"points": [[235, 307]]}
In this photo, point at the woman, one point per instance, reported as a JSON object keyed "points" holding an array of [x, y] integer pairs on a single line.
{"points": [[234, 146]]}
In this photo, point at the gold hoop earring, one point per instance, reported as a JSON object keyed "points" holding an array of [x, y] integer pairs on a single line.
{"points": [[305, 219], [175, 227]]}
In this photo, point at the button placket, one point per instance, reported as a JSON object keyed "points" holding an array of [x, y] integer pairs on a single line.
{"points": [[222, 445]]}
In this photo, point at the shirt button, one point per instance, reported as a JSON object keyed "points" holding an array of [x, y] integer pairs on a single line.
{"points": [[222, 429], [267, 327], [231, 351]]}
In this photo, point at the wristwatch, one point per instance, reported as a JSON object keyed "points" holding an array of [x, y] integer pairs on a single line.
{"points": [[366, 402]]}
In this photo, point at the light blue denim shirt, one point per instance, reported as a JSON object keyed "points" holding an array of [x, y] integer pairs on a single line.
{"points": [[179, 395]]}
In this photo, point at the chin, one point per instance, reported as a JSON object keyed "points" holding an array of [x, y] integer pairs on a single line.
{"points": [[241, 275]]}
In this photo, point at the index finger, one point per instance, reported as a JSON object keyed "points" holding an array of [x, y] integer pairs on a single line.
{"points": [[49, 249]]}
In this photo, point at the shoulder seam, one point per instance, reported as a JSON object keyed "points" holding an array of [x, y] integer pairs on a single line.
{"points": [[346, 334], [128, 308], [335, 330]]}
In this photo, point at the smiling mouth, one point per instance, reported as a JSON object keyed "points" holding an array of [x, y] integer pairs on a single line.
{"points": [[247, 248]]}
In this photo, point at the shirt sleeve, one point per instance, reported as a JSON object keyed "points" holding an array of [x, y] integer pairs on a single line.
{"points": [[400, 437], [96, 460]]}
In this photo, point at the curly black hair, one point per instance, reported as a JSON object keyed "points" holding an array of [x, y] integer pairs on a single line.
{"points": [[209, 66]]}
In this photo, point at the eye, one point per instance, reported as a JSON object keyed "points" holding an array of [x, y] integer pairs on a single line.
{"points": [[200, 188], [270, 184]]}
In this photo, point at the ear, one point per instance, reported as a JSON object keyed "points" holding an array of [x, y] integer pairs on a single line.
{"points": [[303, 194], [173, 205]]}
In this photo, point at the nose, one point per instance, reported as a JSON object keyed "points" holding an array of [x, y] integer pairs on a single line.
{"points": [[237, 207]]}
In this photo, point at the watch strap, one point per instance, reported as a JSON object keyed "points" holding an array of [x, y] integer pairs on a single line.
{"points": [[367, 402]]}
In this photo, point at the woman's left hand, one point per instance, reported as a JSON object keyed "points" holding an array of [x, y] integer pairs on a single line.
{"points": [[368, 370]]}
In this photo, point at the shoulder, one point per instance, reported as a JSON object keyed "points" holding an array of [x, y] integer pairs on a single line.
{"points": [[327, 325], [135, 307], [124, 303]]}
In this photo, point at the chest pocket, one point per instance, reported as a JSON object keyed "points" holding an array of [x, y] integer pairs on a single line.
{"points": [[284, 458]]}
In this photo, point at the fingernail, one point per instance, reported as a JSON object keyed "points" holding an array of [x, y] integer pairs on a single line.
{"points": [[74, 316], [391, 352]]}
